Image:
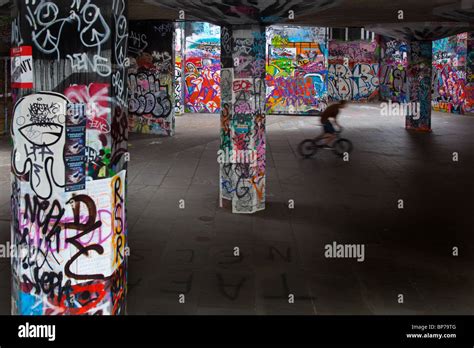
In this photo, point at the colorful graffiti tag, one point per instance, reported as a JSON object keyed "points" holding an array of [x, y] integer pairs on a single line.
{"points": [[449, 74], [353, 70], [151, 77], [202, 68], [296, 70], [393, 70]]}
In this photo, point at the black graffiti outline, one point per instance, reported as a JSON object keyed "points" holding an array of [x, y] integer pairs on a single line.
{"points": [[31, 166], [89, 226], [155, 101], [47, 28]]}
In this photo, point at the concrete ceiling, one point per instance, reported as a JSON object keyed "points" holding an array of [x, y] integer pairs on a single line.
{"points": [[425, 15], [418, 31], [423, 19]]}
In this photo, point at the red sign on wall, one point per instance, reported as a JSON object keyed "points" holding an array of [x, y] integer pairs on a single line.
{"points": [[22, 67]]}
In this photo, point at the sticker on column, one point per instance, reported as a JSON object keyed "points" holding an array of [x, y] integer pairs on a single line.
{"points": [[21, 67], [38, 132], [75, 149]]}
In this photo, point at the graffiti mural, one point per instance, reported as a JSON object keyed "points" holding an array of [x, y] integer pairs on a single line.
{"points": [[449, 74], [353, 70], [296, 70], [151, 78], [202, 68], [393, 70]]}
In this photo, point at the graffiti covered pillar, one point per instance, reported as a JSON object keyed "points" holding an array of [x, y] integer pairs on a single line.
{"points": [[242, 150], [179, 68], [69, 131], [393, 70], [469, 104], [151, 77], [419, 86]]}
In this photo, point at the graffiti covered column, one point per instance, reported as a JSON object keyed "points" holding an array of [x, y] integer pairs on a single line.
{"points": [[419, 86], [69, 131], [469, 105], [151, 77], [242, 150], [393, 70], [179, 68]]}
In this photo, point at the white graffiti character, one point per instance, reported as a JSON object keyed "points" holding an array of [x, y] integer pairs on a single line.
{"points": [[38, 132]]}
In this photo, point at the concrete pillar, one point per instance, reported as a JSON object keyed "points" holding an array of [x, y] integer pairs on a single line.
{"points": [[469, 103], [393, 74], [419, 86], [242, 150], [69, 131], [151, 77], [179, 85]]}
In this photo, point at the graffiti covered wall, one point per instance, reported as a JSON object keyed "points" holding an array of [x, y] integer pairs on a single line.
{"points": [[202, 67], [68, 175], [393, 70], [151, 77], [353, 70], [449, 74], [296, 70]]}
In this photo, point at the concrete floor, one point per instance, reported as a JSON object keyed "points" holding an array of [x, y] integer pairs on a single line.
{"points": [[408, 251]]}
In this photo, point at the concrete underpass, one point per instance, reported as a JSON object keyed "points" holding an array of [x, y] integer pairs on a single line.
{"points": [[115, 115]]}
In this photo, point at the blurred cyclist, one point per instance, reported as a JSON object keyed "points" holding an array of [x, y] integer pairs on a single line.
{"points": [[329, 132]]}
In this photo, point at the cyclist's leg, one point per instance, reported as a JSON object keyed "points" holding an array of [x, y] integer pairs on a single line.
{"points": [[330, 134]]}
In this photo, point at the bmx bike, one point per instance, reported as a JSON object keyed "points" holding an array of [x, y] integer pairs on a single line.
{"points": [[308, 147]]}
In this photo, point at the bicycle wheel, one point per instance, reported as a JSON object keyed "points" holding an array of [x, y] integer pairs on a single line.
{"points": [[342, 146], [307, 148]]}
